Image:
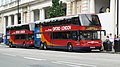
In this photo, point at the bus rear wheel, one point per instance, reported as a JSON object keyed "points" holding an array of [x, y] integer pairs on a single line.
{"points": [[69, 47], [24, 45], [41, 46], [45, 46], [10, 45]]}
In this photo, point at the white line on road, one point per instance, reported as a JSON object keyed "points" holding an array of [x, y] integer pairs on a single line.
{"points": [[30, 58], [67, 64], [9, 54], [71, 64]]}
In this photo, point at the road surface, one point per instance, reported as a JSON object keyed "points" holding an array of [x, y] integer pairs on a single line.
{"points": [[21, 57]]}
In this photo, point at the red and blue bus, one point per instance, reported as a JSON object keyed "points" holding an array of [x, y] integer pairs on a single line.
{"points": [[78, 32], [19, 36]]}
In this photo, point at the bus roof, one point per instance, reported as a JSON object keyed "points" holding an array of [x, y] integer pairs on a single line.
{"points": [[56, 18], [17, 25], [50, 19], [60, 18]]}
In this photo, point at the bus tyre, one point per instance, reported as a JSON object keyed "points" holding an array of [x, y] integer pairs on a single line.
{"points": [[69, 47], [24, 45], [10, 45], [45, 46], [100, 50], [41, 46]]}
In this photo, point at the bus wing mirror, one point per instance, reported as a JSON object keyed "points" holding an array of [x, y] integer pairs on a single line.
{"points": [[104, 32]]}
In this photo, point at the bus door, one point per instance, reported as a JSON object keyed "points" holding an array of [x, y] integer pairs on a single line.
{"points": [[37, 37], [75, 37]]}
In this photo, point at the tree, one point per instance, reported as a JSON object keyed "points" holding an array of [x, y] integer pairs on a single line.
{"points": [[56, 9]]}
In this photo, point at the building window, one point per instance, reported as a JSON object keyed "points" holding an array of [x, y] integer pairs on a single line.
{"points": [[46, 12], [12, 19], [36, 14], [6, 20], [25, 17], [19, 18], [102, 6]]}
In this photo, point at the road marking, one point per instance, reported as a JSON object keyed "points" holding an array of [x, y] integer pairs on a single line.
{"points": [[9, 54], [30, 58], [67, 64], [71, 64]]}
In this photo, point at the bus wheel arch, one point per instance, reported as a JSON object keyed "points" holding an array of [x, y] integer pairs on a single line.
{"points": [[69, 46]]}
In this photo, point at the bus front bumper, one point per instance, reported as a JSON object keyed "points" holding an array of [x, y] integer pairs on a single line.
{"points": [[87, 48]]}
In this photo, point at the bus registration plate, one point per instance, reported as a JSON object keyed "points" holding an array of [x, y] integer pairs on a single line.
{"points": [[92, 47]]}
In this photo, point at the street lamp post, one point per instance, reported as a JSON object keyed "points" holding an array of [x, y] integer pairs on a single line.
{"points": [[117, 17], [18, 11]]}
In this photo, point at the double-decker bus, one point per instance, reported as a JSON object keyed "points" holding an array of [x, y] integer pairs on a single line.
{"points": [[19, 35], [78, 32]]}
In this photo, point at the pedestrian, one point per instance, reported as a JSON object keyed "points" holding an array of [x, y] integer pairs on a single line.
{"points": [[105, 43], [101, 10], [111, 39], [107, 9], [115, 37]]}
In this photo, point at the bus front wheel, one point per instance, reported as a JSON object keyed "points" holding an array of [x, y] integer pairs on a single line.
{"points": [[69, 47]]}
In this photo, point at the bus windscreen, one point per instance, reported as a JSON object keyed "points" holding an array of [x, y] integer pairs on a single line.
{"points": [[85, 35], [90, 20]]}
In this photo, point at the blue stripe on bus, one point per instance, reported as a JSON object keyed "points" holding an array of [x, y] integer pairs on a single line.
{"points": [[37, 38]]}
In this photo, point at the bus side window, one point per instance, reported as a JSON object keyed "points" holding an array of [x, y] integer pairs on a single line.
{"points": [[74, 35], [68, 21], [16, 37], [60, 35], [75, 21], [51, 35]]}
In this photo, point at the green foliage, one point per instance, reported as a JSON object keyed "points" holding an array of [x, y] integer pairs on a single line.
{"points": [[56, 10]]}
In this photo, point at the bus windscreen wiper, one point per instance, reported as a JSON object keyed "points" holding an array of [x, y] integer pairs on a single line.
{"points": [[88, 18]]}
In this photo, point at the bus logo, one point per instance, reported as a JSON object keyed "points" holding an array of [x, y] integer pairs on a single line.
{"points": [[92, 28], [66, 28], [56, 28], [61, 28], [19, 32]]}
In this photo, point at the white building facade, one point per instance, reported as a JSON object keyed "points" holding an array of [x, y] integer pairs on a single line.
{"points": [[29, 11], [33, 10]]}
